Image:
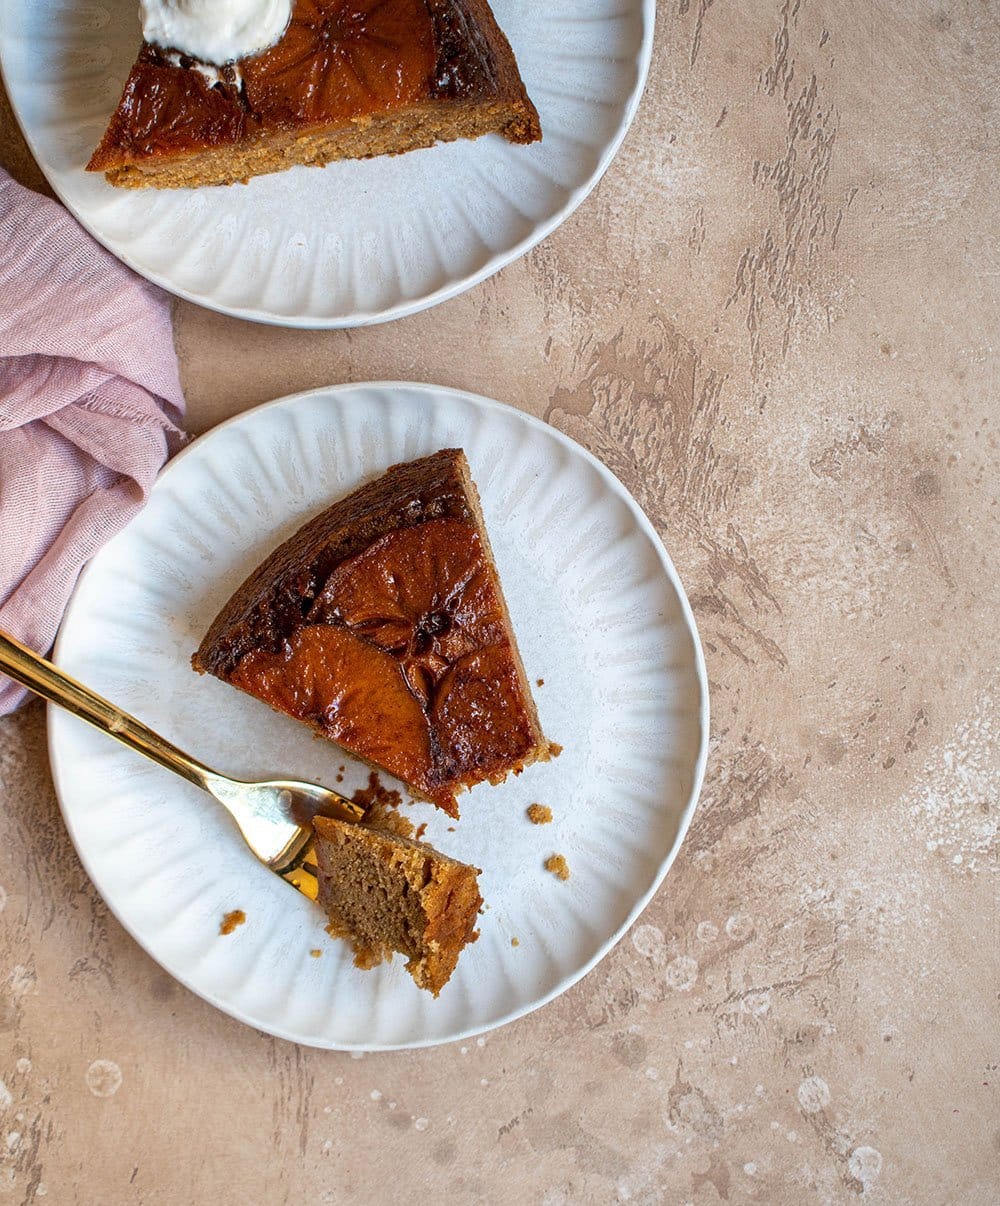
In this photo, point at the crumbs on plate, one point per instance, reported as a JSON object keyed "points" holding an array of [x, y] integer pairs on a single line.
{"points": [[231, 921], [557, 865], [539, 814], [381, 805]]}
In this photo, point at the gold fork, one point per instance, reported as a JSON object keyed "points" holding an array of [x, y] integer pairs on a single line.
{"points": [[274, 817]]}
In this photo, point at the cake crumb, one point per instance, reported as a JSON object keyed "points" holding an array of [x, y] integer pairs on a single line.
{"points": [[315, 953], [380, 804], [540, 682], [421, 830], [340, 778], [515, 942], [451, 828], [555, 749], [365, 957], [376, 793], [557, 865], [539, 814], [232, 920]]}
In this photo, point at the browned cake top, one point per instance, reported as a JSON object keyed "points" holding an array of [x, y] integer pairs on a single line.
{"points": [[337, 61], [381, 623]]}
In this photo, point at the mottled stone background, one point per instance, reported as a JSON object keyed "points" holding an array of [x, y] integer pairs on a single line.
{"points": [[777, 320]]}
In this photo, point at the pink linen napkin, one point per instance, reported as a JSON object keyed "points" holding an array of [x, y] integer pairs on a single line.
{"points": [[90, 400]]}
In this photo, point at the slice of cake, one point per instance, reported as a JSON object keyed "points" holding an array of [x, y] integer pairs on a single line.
{"points": [[382, 625], [348, 79], [386, 893]]}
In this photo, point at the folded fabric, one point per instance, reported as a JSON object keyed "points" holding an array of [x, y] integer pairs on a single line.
{"points": [[90, 403]]}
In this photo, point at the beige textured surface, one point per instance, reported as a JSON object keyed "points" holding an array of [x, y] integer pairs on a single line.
{"points": [[777, 321]]}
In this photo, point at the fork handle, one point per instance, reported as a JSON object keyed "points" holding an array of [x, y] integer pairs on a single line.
{"points": [[39, 675]]}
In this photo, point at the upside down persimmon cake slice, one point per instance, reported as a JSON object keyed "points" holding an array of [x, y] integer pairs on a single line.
{"points": [[346, 79], [382, 624]]}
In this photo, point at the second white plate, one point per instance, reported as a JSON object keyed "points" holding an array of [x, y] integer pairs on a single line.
{"points": [[352, 243], [600, 617]]}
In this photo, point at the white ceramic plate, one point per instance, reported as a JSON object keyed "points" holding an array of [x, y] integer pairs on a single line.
{"points": [[600, 616], [351, 243]]}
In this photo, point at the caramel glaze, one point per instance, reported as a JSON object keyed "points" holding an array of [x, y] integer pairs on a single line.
{"points": [[339, 60], [403, 659]]}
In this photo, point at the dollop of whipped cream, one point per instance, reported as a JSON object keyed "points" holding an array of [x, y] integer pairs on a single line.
{"points": [[215, 31]]}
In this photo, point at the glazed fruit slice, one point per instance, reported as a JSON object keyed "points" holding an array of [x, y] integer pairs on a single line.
{"points": [[423, 594], [166, 111], [339, 61], [348, 689]]}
